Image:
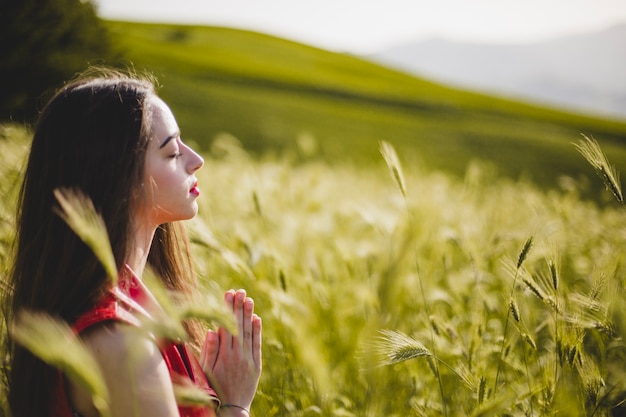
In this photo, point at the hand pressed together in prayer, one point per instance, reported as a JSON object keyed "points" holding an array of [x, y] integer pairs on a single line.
{"points": [[232, 362]]}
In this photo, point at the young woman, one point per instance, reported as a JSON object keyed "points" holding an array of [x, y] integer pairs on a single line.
{"points": [[112, 138]]}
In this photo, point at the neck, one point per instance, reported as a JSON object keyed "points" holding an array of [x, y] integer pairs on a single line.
{"points": [[139, 250]]}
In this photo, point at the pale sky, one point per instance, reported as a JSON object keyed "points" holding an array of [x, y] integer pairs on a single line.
{"points": [[364, 26]]}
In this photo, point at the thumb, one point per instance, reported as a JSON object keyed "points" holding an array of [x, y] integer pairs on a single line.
{"points": [[208, 356]]}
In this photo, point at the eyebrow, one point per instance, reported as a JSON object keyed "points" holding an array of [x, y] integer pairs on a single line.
{"points": [[165, 142]]}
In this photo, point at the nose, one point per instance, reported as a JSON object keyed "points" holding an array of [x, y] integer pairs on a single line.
{"points": [[194, 162]]}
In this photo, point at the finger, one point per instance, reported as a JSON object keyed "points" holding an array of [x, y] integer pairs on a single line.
{"points": [[257, 330], [240, 297], [229, 300], [248, 309], [210, 350], [225, 340]]}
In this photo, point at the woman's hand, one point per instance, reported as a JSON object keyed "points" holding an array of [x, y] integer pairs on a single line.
{"points": [[233, 362]]}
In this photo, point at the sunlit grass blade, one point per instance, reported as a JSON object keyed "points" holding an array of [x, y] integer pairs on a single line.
{"points": [[524, 253], [209, 311], [199, 233], [391, 158], [190, 395], [78, 212], [54, 342], [165, 321], [534, 288], [494, 407], [591, 314], [553, 274], [168, 321], [512, 309], [396, 347], [591, 151]]}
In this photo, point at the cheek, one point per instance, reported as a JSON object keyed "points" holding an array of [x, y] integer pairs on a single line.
{"points": [[155, 178], [162, 188], [161, 181]]}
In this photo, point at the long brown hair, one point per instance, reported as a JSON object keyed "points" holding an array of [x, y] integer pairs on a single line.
{"points": [[91, 136]]}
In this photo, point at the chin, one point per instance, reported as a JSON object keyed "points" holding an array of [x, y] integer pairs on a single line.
{"points": [[192, 214], [188, 215]]}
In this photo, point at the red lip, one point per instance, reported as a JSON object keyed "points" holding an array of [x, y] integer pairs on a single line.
{"points": [[195, 190]]}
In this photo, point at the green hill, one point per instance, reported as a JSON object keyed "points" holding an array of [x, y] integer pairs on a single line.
{"points": [[270, 93]]}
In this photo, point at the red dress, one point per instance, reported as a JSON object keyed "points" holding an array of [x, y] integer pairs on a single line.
{"points": [[122, 300]]}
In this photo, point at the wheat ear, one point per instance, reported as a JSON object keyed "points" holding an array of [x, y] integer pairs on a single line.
{"points": [[591, 151]]}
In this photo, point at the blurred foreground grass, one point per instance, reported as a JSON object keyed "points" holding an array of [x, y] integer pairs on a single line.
{"points": [[508, 299]]}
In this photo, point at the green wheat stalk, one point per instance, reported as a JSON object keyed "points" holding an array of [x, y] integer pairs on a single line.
{"points": [[390, 156], [395, 347], [553, 274], [199, 233], [591, 151], [393, 163], [79, 213], [190, 395], [54, 342], [524, 252], [167, 322], [520, 261]]}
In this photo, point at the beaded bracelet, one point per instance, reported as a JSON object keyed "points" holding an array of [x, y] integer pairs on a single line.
{"points": [[235, 406]]}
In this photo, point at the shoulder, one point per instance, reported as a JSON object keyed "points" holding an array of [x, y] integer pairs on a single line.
{"points": [[133, 370], [123, 350], [118, 339]]}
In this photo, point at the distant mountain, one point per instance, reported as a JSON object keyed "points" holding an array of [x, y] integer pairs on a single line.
{"points": [[584, 72]]}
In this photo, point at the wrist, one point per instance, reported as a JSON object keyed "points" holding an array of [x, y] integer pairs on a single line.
{"points": [[232, 410]]}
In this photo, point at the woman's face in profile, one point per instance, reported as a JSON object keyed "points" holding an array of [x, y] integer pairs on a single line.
{"points": [[170, 186]]}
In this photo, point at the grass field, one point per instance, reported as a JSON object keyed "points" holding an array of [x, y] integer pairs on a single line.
{"points": [[479, 296], [468, 275]]}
